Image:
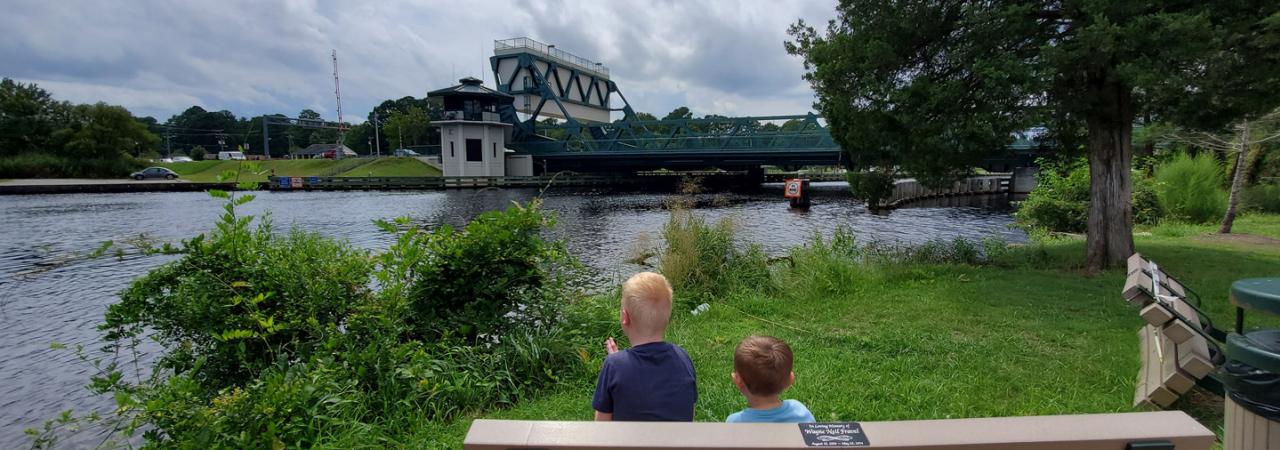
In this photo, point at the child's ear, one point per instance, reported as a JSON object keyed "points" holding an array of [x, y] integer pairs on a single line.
{"points": [[625, 317], [793, 379], [737, 380]]}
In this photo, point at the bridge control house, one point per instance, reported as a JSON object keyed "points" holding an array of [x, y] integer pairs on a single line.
{"points": [[473, 136]]}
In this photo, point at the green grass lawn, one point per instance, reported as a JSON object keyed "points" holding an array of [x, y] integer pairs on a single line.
{"points": [[208, 171], [393, 167], [898, 342]]}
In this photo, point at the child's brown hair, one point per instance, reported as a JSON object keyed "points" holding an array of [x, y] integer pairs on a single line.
{"points": [[764, 364]]}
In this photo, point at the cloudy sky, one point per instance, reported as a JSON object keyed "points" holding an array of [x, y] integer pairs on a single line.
{"points": [[159, 57]]}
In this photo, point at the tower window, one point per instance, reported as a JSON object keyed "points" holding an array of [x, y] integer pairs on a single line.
{"points": [[474, 150]]}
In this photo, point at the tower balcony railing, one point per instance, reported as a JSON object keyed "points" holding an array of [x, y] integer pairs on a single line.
{"points": [[477, 116], [553, 52]]}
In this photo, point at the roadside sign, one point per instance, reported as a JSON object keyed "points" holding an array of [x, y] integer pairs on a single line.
{"points": [[284, 183], [794, 188], [295, 182], [313, 181]]}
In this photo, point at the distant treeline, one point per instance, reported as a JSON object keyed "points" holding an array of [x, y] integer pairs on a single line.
{"points": [[41, 137]]}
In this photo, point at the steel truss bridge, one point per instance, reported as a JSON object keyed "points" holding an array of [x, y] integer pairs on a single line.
{"points": [[549, 82]]}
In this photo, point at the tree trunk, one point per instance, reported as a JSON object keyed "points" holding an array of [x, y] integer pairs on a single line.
{"points": [[1109, 239], [1237, 179]]}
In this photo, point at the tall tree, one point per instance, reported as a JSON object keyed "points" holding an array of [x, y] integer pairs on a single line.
{"points": [[102, 131], [931, 87], [409, 126], [28, 115]]}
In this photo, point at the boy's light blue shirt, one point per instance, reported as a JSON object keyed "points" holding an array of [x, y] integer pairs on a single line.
{"points": [[791, 411]]}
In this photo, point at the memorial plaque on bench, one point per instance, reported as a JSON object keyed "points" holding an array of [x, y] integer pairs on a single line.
{"points": [[836, 434]]}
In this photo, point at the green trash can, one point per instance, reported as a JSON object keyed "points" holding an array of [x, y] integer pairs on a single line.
{"points": [[1251, 374]]}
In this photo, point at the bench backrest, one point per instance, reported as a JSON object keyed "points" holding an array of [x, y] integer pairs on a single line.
{"points": [[1079, 432]]}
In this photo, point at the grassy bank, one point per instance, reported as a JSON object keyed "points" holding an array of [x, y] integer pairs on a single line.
{"points": [[393, 167], [1029, 334], [208, 171]]}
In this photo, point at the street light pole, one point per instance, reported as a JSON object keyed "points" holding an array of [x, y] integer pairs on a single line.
{"points": [[376, 139]]}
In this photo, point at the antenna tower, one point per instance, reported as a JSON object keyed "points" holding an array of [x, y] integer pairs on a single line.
{"points": [[337, 95]]}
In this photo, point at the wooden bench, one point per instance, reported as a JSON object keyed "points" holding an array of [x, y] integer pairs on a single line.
{"points": [[1174, 343], [1143, 430]]}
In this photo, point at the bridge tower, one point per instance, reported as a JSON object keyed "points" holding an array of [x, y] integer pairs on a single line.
{"points": [[549, 82], [472, 136]]}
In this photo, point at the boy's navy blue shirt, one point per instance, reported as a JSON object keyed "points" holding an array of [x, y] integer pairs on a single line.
{"points": [[649, 382]]}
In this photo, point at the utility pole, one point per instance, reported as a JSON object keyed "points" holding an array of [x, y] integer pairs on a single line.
{"points": [[377, 141], [266, 147], [168, 144], [401, 132]]}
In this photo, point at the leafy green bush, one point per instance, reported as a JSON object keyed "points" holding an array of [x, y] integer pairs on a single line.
{"points": [[703, 261], [1190, 188], [1263, 197], [1060, 200], [273, 341], [470, 282], [870, 186]]}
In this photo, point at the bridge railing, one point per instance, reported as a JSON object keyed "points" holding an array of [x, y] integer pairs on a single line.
{"points": [[551, 51], [712, 143]]}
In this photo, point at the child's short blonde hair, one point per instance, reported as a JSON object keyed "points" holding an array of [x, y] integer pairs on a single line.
{"points": [[764, 364], [646, 297]]}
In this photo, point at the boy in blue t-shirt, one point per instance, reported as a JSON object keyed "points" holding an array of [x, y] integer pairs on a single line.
{"points": [[653, 380], [762, 370]]}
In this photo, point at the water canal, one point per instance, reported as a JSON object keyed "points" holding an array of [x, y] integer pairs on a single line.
{"points": [[49, 295]]}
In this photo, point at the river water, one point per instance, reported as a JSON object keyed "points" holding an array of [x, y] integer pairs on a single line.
{"points": [[49, 293]]}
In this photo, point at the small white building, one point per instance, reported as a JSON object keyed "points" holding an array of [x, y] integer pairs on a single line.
{"points": [[473, 137]]}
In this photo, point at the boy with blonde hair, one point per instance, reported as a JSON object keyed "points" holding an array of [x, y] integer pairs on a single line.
{"points": [[762, 370], [654, 379]]}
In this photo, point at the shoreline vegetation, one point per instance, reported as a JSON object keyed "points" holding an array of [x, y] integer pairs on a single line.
{"points": [[389, 166], [266, 347]]}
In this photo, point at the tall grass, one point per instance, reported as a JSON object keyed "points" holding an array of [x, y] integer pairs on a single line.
{"points": [[1190, 188], [704, 260]]}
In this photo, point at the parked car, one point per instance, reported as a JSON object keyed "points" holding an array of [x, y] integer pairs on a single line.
{"points": [[182, 159], [405, 152], [231, 156], [154, 172]]}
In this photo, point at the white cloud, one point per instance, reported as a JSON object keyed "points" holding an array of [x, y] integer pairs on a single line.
{"points": [[158, 57]]}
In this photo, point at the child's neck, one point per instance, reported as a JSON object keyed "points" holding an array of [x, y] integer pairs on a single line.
{"points": [[764, 402], [641, 340]]}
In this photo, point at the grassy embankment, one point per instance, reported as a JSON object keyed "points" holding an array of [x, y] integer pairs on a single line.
{"points": [[208, 171], [1030, 334]]}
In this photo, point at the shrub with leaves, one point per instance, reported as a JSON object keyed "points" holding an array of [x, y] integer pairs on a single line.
{"points": [[242, 297], [1190, 188], [1263, 197], [296, 340], [473, 281], [1060, 200]]}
